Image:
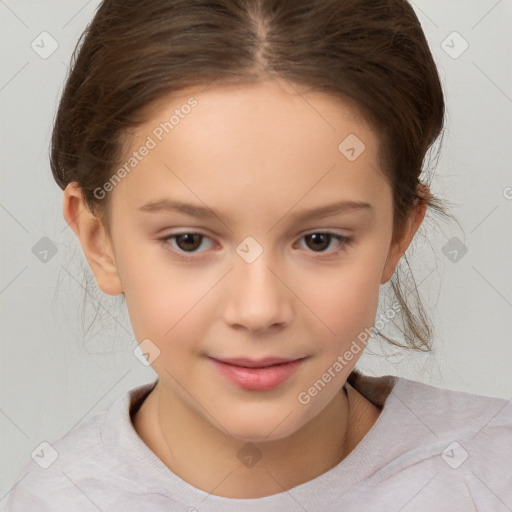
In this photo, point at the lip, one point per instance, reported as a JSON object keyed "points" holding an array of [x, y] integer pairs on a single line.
{"points": [[255, 363], [257, 374]]}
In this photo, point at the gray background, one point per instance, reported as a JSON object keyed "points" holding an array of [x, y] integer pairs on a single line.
{"points": [[59, 368]]}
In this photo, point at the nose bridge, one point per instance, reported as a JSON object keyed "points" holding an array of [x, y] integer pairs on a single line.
{"points": [[255, 275], [257, 298]]}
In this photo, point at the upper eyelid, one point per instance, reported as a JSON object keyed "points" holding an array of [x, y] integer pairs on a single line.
{"points": [[194, 231]]}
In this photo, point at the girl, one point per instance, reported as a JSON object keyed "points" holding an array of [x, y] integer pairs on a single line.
{"points": [[247, 175]]}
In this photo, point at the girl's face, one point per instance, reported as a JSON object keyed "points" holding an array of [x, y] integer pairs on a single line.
{"points": [[256, 225]]}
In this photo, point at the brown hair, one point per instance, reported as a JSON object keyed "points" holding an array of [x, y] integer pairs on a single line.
{"points": [[372, 53]]}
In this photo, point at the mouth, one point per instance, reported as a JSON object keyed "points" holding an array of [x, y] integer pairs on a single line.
{"points": [[257, 374]]}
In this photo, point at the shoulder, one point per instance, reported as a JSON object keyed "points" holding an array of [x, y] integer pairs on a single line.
{"points": [[55, 467], [447, 410], [59, 472], [466, 437], [454, 447], [429, 416], [441, 412]]}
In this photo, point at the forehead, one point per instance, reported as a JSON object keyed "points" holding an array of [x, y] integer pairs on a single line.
{"points": [[239, 111], [263, 142]]}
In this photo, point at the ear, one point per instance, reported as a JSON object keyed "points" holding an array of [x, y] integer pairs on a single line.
{"points": [[401, 242], [93, 238]]}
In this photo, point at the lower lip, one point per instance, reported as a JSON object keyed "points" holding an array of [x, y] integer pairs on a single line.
{"points": [[258, 379]]}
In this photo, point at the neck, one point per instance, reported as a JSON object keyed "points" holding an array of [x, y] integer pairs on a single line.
{"points": [[210, 460]]}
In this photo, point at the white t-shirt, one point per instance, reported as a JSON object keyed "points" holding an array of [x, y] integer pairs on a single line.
{"points": [[430, 450]]}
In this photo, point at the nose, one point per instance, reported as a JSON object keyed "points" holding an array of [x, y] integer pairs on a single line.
{"points": [[257, 300]]}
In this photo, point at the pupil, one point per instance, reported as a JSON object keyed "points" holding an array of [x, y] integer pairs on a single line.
{"points": [[191, 241], [320, 240]]}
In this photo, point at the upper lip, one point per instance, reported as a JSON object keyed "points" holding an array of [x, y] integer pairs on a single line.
{"points": [[256, 363]]}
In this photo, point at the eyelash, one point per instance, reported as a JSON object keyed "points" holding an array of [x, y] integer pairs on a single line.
{"points": [[343, 241]]}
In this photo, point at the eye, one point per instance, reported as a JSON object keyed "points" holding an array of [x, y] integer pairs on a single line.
{"points": [[186, 242], [320, 241], [189, 243]]}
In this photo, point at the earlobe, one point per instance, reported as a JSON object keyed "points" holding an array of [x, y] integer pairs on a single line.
{"points": [[94, 240], [399, 246]]}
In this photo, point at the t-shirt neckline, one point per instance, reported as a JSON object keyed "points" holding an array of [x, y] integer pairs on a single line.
{"points": [[142, 466]]}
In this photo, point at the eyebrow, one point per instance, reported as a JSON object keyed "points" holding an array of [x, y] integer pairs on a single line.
{"points": [[205, 212]]}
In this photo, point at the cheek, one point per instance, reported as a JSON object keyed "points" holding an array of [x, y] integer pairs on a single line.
{"points": [[162, 298], [344, 300]]}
